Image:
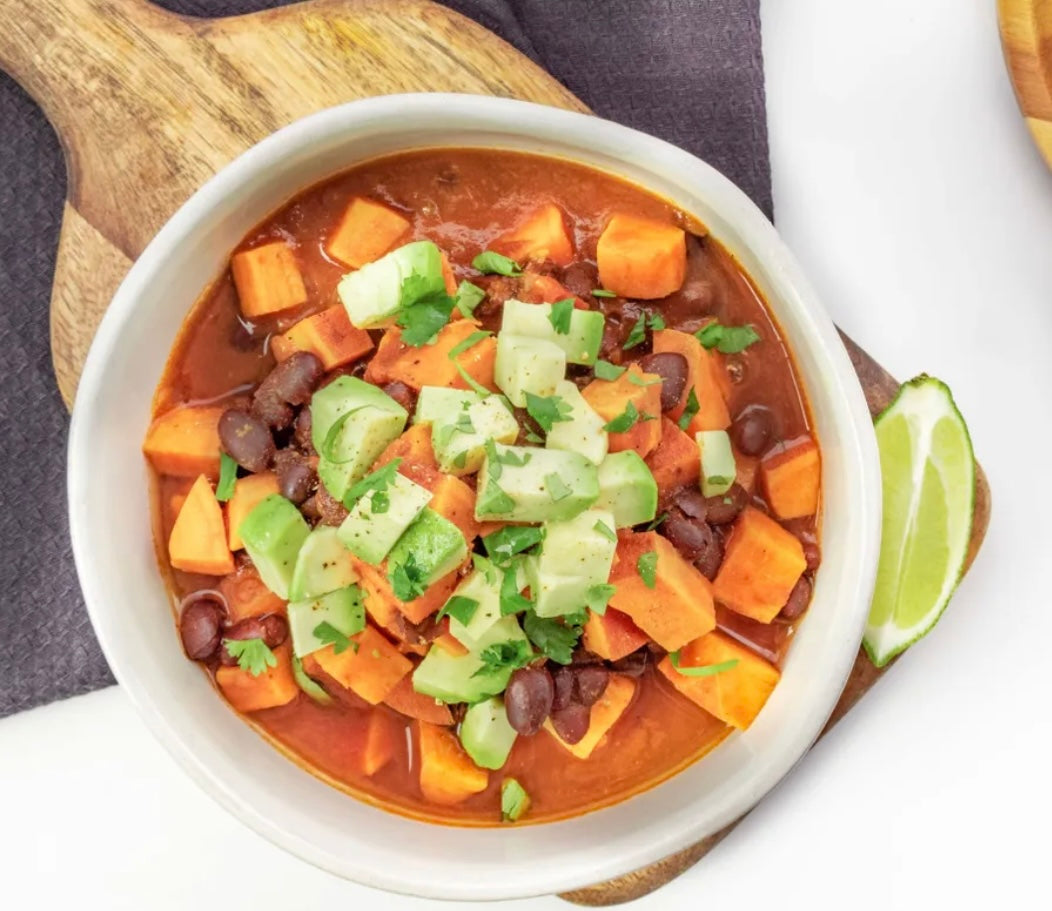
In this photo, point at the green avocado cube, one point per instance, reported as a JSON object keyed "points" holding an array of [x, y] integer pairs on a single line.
{"points": [[576, 555], [274, 532], [323, 565], [584, 432], [437, 403], [372, 295], [486, 734], [526, 364], [529, 484], [581, 343], [627, 488], [436, 545], [343, 610], [369, 531], [459, 440], [718, 468]]}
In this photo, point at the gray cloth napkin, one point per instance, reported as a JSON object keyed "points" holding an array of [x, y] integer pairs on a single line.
{"points": [[690, 71]]}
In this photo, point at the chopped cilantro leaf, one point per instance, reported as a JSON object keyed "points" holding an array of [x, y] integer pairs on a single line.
{"points": [[328, 634], [407, 579], [604, 370], [598, 596], [469, 342], [602, 292], [460, 608], [720, 480], [377, 481], [493, 500], [531, 437], [485, 566], [514, 801], [558, 489], [626, 419], [503, 544], [646, 566], [554, 639], [491, 263], [423, 310], [657, 522], [494, 466], [655, 322], [636, 380], [328, 446], [693, 406], [473, 384], [547, 410], [637, 335], [512, 601], [605, 530], [705, 670], [513, 653], [469, 296], [227, 478], [461, 425], [560, 315], [253, 655], [460, 459], [727, 339]]}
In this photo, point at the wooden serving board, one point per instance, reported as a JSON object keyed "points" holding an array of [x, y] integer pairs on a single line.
{"points": [[148, 105], [1026, 36]]}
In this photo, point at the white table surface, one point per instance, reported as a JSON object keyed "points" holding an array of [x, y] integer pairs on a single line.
{"points": [[907, 184]]}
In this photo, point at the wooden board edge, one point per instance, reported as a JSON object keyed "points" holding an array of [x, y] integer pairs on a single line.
{"points": [[1030, 72]]}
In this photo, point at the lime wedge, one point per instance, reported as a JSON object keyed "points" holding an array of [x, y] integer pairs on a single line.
{"points": [[929, 496]]}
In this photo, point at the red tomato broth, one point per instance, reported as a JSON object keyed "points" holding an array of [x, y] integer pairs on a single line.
{"points": [[462, 199]]}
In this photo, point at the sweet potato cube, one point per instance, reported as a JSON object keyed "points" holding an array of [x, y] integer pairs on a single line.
{"points": [[675, 462], [198, 543], [612, 635], [382, 735], [761, 564], [791, 474], [478, 362], [248, 493], [430, 365], [447, 774], [640, 257], [604, 715], [329, 335], [735, 695], [610, 400], [544, 289], [414, 448], [184, 442], [382, 604], [366, 232], [447, 643], [454, 500], [268, 280], [275, 686], [371, 671], [247, 596], [543, 235], [703, 368], [403, 698], [678, 608]]}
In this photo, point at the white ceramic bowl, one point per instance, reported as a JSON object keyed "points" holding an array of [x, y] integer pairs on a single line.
{"points": [[110, 519]]}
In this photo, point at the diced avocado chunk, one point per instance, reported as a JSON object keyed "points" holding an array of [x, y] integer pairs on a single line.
{"points": [[274, 532], [461, 678], [459, 440], [581, 343], [514, 801], [308, 684], [718, 469], [576, 555], [584, 431], [486, 734], [528, 484], [483, 586], [322, 565], [437, 403], [368, 419], [436, 545], [527, 365], [372, 295], [627, 488], [370, 532], [343, 610]]}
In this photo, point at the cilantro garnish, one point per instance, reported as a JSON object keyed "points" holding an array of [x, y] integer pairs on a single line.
{"points": [[638, 333], [469, 296], [227, 478], [636, 380], [656, 522], [558, 489], [627, 419], [646, 566], [547, 410], [511, 599], [605, 530], [706, 670], [598, 596], [493, 500], [461, 425], [504, 543], [727, 339], [408, 580], [423, 310], [460, 608], [602, 292], [253, 655], [554, 639], [469, 342], [513, 653], [531, 437], [327, 633], [377, 481], [560, 315], [693, 406], [491, 263], [604, 370]]}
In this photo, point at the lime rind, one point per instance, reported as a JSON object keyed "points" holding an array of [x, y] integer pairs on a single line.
{"points": [[928, 470]]}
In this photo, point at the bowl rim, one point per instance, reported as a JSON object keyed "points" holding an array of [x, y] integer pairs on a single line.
{"points": [[854, 428]]}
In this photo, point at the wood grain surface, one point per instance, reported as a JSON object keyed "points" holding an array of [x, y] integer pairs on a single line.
{"points": [[148, 105], [1026, 36]]}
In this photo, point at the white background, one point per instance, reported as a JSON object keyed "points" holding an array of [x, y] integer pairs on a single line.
{"points": [[907, 185]]}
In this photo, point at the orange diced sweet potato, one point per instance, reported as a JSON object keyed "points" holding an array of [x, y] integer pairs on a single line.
{"points": [[275, 686], [761, 564], [604, 715], [249, 492], [197, 543], [675, 462], [413, 447], [329, 335], [678, 608], [791, 474], [454, 500], [543, 235], [268, 279], [702, 372], [640, 257], [478, 362], [371, 671], [247, 596], [447, 774], [367, 230], [448, 643], [735, 695], [184, 442], [430, 365], [382, 736], [610, 399], [612, 635], [381, 602], [544, 289], [403, 698]]}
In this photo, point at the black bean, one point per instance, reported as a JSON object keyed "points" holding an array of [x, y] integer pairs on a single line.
{"points": [[246, 439], [709, 560], [564, 688], [752, 429], [691, 502], [799, 599], [290, 383], [672, 368], [402, 394], [331, 510], [528, 699], [272, 629], [591, 683], [580, 278], [571, 723], [724, 508], [301, 432], [691, 537], [812, 554], [296, 476], [200, 624]]}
